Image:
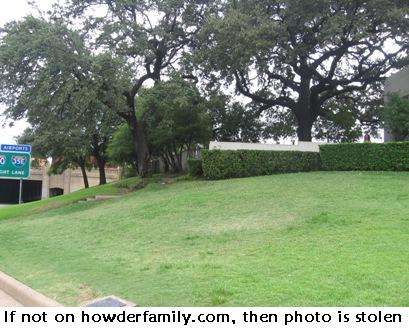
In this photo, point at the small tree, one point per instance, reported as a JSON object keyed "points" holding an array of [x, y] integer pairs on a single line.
{"points": [[395, 116], [176, 118], [121, 149]]}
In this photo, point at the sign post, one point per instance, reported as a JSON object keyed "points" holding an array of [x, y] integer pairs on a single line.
{"points": [[15, 164], [20, 192]]}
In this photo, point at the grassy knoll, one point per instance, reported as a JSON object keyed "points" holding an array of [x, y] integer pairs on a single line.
{"points": [[314, 239], [56, 202]]}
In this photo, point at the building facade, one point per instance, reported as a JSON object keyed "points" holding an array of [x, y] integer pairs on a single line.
{"points": [[42, 185]]}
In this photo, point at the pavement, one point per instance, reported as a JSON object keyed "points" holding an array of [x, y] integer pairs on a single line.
{"points": [[15, 293], [7, 301]]}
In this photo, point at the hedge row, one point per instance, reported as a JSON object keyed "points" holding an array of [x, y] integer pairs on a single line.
{"points": [[218, 164], [393, 156], [194, 166], [221, 164]]}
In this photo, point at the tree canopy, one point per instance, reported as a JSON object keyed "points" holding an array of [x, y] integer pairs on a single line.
{"points": [[306, 68], [49, 77], [177, 119], [301, 55], [150, 36]]}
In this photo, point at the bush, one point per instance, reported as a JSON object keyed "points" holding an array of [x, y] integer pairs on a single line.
{"points": [[221, 164], [194, 167], [393, 156]]}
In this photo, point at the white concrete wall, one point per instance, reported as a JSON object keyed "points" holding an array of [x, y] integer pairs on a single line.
{"points": [[302, 146], [399, 83], [70, 180]]}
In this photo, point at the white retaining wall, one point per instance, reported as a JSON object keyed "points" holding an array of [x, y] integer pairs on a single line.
{"points": [[399, 83], [301, 146]]}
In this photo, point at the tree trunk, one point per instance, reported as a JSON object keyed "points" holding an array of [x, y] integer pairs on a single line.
{"points": [[305, 120], [166, 163], [172, 162], [141, 149], [97, 148], [180, 159], [101, 168], [304, 130], [304, 110], [84, 175], [139, 142]]}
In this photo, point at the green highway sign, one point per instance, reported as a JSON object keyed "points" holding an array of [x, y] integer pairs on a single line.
{"points": [[14, 165]]}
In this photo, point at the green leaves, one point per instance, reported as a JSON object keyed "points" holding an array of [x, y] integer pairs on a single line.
{"points": [[365, 156], [121, 150], [175, 114], [222, 164], [395, 116], [298, 55], [51, 78], [39, 63]]}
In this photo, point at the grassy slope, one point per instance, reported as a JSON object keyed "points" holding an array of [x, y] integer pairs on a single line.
{"points": [[13, 211], [320, 239]]}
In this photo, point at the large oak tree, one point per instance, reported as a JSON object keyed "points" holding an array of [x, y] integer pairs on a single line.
{"points": [[300, 55], [151, 36], [50, 77]]}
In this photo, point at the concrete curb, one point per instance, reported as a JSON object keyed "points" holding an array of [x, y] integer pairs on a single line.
{"points": [[23, 294]]}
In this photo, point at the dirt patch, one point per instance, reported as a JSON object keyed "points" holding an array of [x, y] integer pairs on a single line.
{"points": [[85, 293]]}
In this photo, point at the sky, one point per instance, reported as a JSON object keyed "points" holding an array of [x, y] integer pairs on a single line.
{"points": [[14, 10]]}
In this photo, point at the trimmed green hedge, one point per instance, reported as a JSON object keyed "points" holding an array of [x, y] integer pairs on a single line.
{"points": [[194, 166], [393, 156], [221, 164]]}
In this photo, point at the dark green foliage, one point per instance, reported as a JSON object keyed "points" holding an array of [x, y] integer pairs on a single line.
{"points": [[176, 119], [195, 167], [302, 56], [121, 150], [392, 156], [395, 116], [219, 164]]}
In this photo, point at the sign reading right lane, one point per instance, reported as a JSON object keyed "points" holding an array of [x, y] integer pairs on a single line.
{"points": [[14, 165]]}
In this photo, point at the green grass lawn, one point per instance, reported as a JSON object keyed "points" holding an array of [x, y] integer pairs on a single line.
{"points": [[313, 239], [41, 206]]}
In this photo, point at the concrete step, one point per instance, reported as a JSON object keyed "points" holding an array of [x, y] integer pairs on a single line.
{"points": [[99, 198], [106, 197]]}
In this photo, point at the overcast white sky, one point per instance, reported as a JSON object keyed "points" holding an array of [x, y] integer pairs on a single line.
{"points": [[14, 10]]}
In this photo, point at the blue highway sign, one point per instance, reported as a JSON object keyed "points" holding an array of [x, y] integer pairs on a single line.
{"points": [[15, 148]]}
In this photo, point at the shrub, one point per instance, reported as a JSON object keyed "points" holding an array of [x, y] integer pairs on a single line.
{"points": [[221, 164], [195, 167], [393, 156]]}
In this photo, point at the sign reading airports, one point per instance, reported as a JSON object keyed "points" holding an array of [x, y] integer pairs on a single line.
{"points": [[13, 162], [16, 148]]}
